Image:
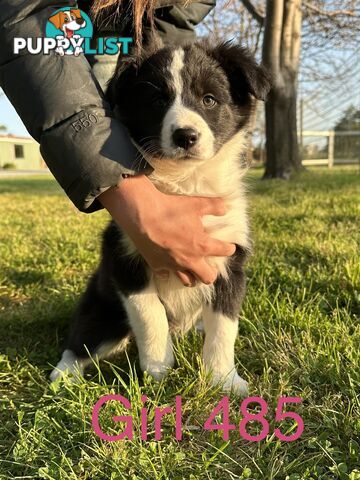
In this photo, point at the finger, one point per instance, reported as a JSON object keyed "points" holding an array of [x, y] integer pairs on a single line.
{"points": [[217, 248], [204, 272], [210, 206], [164, 274], [186, 278]]}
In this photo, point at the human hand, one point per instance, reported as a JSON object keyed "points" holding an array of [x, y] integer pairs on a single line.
{"points": [[167, 229]]}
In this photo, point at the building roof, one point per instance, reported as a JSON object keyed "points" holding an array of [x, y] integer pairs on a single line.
{"points": [[14, 138]]}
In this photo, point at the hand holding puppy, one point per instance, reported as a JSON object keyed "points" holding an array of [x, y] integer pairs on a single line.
{"points": [[167, 229]]}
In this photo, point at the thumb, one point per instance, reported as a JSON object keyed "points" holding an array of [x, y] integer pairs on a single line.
{"points": [[211, 206]]}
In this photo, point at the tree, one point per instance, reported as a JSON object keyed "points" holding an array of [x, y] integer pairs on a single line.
{"points": [[348, 147], [3, 128], [321, 25], [281, 54], [246, 20], [324, 29], [349, 121]]}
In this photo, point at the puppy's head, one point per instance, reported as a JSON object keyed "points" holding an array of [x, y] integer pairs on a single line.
{"points": [[186, 102], [68, 21]]}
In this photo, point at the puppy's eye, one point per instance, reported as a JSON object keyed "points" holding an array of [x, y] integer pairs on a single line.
{"points": [[66, 20], [209, 101], [160, 102]]}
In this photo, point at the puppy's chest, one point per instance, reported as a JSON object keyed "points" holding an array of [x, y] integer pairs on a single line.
{"points": [[231, 227], [183, 305]]}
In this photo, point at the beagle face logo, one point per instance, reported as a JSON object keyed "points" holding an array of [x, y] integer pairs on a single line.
{"points": [[70, 27], [68, 21], [69, 31]]}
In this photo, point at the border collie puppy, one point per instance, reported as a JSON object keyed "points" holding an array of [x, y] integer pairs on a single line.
{"points": [[186, 109]]}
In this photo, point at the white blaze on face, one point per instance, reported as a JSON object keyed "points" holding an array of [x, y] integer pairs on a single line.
{"points": [[71, 25], [179, 116]]}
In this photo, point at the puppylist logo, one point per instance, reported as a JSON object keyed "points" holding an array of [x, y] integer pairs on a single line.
{"points": [[69, 32]]}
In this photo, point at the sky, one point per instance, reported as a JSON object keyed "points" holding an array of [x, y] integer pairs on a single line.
{"points": [[10, 118]]}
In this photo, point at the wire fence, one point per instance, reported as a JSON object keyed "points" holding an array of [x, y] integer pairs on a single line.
{"points": [[330, 147]]}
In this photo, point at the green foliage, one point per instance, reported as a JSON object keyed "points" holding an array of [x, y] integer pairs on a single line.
{"points": [[299, 336], [350, 120], [9, 166], [348, 147]]}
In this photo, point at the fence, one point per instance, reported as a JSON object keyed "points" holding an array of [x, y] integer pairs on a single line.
{"points": [[336, 147]]}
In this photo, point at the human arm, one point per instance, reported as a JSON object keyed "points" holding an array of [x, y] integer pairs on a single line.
{"points": [[55, 96], [63, 108]]}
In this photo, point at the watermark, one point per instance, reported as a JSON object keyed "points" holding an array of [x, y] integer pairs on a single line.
{"points": [[219, 419], [69, 32]]}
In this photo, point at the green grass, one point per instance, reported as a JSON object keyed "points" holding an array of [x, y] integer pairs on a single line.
{"points": [[299, 336]]}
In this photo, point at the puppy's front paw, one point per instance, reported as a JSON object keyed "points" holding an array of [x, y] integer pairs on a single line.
{"points": [[157, 363], [232, 383], [60, 51], [77, 51], [68, 365], [157, 370]]}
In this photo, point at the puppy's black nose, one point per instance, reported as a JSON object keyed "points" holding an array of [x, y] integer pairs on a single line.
{"points": [[80, 21], [185, 137]]}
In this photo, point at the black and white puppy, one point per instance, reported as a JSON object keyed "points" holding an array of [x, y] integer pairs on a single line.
{"points": [[186, 108]]}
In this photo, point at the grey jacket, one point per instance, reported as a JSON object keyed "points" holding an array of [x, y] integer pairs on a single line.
{"points": [[61, 103]]}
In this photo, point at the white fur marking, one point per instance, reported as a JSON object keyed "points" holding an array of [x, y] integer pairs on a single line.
{"points": [[218, 354], [149, 323], [179, 116], [177, 65], [69, 364]]}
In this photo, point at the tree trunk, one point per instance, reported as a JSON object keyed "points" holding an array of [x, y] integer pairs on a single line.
{"points": [[250, 130], [282, 151], [281, 55]]}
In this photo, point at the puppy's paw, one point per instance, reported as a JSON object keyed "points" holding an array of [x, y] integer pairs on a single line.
{"points": [[157, 363], [77, 51], [234, 383], [157, 371], [68, 365]]}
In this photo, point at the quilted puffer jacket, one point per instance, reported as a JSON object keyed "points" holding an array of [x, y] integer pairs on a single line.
{"points": [[61, 102]]}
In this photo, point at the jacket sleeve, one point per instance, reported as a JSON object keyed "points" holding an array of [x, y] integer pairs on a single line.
{"points": [[63, 108], [176, 23]]}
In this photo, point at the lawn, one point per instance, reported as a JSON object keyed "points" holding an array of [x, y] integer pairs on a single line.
{"points": [[299, 337]]}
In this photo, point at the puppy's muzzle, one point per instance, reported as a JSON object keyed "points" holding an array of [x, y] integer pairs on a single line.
{"points": [[185, 138]]}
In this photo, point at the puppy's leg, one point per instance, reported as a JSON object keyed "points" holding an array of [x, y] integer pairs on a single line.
{"points": [[221, 326], [218, 354], [150, 326], [100, 327]]}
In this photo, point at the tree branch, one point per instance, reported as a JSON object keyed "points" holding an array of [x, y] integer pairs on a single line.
{"points": [[329, 13], [272, 36], [254, 12]]}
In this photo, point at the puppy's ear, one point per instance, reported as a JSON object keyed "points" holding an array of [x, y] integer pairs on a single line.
{"points": [[57, 20], [127, 68], [125, 72], [151, 44], [76, 12], [245, 75]]}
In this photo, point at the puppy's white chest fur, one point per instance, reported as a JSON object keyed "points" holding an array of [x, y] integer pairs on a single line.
{"points": [[220, 176]]}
